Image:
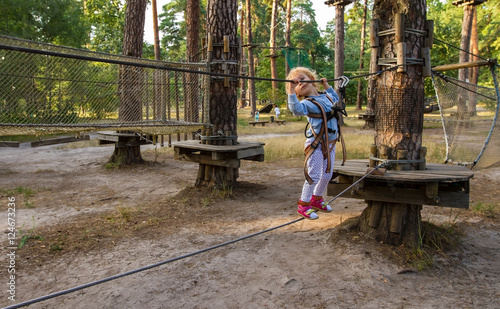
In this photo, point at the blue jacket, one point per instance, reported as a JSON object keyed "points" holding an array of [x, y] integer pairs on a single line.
{"points": [[304, 107]]}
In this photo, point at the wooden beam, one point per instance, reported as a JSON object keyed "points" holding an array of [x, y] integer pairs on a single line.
{"points": [[460, 3], [456, 66]]}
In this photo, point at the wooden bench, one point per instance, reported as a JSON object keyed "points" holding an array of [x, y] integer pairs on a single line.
{"points": [[263, 122], [366, 117], [279, 121]]}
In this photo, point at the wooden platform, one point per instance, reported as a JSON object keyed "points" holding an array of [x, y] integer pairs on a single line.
{"points": [[438, 185], [262, 122], [59, 140], [120, 139], [218, 155], [279, 121]]}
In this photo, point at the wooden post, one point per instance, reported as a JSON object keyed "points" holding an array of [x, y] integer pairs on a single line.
{"points": [[402, 155], [210, 48], [373, 153], [397, 218], [384, 152], [399, 27], [429, 38], [423, 153], [375, 212], [226, 56], [401, 56], [426, 55], [374, 43]]}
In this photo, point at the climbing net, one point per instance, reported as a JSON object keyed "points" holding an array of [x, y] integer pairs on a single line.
{"points": [[469, 114], [55, 89]]}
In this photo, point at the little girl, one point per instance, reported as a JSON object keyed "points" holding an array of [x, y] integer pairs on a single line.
{"points": [[320, 143]]}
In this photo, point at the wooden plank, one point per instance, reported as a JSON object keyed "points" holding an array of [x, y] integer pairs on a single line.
{"points": [[433, 173], [456, 66], [9, 144], [207, 160], [263, 122], [59, 140], [402, 195], [249, 152], [194, 145]]}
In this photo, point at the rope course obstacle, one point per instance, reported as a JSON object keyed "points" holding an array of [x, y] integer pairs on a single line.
{"points": [[54, 89], [469, 113]]}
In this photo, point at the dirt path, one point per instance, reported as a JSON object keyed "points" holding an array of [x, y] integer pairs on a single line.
{"points": [[114, 221]]}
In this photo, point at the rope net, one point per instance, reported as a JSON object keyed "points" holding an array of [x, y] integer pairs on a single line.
{"points": [[469, 114], [53, 89], [296, 57]]}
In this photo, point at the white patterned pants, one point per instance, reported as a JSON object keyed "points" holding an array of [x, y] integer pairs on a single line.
{"points": [[316, 167]]}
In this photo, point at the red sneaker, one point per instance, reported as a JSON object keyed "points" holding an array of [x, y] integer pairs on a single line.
{"points": [[318, 203], [304, 209]]}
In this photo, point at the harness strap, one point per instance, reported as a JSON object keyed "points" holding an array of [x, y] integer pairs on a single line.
{"points": [[322, 136], [318, 138]]}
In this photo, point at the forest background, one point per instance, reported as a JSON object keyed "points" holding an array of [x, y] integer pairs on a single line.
{"points": [[98, 25]]}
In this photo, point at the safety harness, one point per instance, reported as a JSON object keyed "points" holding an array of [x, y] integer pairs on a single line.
{"points": [[322, 136]]}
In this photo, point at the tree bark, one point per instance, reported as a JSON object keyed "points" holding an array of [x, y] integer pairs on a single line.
{"points": [[192, 50], [131, 78], [359, 99], [288, 40], [473, 72], [465, 41], [222, 22], [462, 109], [272, 44], [251, 67], [339, 48], [243, 72], [339, 42], [399, 120]]}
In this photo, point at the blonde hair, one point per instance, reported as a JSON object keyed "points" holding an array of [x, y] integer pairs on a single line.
{"points": [[303, 70], [310, 73]]}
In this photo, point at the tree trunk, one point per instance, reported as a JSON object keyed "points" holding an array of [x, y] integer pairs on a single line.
{"points": [[473, 72], [243, 72], [192, 50], [399, 120], [288, 40], [462, 109], [359, 99], [339, 47], [465, 41], [339, 41], [155, 29], [222, 22], [251, 67], [272, 44], [131, 79]]}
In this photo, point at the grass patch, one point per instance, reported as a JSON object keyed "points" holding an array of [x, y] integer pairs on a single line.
{"points": [[25, 192], [434, 240], [490, 210]]}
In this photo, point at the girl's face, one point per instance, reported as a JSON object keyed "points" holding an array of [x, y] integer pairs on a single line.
{"points": [[305, 89]]}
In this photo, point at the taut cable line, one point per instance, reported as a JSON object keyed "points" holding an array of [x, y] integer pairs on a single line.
{"points": [[90, 284]]}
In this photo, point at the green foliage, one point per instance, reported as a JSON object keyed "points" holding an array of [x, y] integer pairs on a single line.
{"points": [[50, 21], [107, 21]]}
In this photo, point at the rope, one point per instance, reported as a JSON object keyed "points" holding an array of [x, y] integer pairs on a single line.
{"points": [[357, 181], [167, 68], [466, 51], [87, 285], [84, 286], [454, 81], [492, 69]]}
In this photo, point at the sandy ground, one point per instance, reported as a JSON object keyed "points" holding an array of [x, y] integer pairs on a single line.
{"points": [[154, 215]]}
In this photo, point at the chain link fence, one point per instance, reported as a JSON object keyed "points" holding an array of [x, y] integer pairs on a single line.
{"points": [[52, 89]]}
